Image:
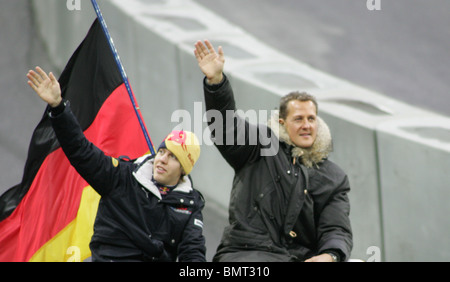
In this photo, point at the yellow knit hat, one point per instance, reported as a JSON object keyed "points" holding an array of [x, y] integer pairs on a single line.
{"points": [[185, 146]]}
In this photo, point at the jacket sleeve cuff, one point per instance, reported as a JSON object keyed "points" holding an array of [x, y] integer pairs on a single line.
{"points": [[54, 112], [336, 247], [214, 87], [335, 252]]}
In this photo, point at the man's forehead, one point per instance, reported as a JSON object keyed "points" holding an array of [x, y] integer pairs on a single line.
{"points": [[304, 106]]}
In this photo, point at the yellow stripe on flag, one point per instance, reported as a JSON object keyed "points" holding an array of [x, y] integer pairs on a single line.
{"points": [[72, 243]]}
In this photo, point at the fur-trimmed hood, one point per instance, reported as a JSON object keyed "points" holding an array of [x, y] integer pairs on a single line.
{"points": [[309, 156]]}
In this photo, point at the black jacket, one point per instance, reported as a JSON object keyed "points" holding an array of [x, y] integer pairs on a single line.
{"points": [[133, 223], [286, 202]]}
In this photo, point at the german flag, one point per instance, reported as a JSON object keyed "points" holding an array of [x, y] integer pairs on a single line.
{"points": [[50, 215]]}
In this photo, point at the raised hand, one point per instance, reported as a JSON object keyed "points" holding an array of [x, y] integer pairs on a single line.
{"points": [[210, 62], [46, 86]]}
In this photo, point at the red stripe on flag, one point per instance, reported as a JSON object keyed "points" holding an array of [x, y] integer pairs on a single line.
{"points": [[54, 197]]}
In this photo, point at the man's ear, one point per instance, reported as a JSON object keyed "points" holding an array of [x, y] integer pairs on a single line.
{"points": [[281, 121]]}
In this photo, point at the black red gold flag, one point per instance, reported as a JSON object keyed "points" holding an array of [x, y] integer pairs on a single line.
{"points": [[49, 216]]}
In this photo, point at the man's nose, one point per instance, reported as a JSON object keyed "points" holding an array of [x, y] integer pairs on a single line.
{"points": [[164, 157], [306, 124]]}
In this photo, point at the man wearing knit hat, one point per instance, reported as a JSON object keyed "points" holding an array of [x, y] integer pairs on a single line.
{"points": [[149, 210], [181, 146]]}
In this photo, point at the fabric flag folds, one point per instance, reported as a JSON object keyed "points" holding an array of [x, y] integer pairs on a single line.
{"points": [[49, 216]]}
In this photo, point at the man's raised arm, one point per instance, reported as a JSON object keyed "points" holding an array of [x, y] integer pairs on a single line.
{"points": [[99, 170]]}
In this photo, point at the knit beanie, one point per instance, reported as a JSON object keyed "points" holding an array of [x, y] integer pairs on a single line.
{"points": [[185, 146]]}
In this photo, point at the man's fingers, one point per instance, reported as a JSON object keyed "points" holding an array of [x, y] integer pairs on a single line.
{"points": [[53, 78], [203, 50], [198, 51], [42, 73], [197, 56], [210, 47], [37, 77], [220, 50], [32, 85], [33, 78]]}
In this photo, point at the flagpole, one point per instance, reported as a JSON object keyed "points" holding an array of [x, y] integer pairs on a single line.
{"points": [[123, 74]]}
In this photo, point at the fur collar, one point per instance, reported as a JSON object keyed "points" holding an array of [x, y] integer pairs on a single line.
{"points": [[144, 172], [312, 156]]}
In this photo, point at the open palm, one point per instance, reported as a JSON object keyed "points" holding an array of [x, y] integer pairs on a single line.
{"points": [[211, 63], [46, 86]]}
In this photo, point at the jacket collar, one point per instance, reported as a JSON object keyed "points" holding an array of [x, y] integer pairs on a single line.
{"points": [[312, 156], [144, 172]]}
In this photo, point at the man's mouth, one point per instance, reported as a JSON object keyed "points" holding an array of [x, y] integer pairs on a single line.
{"points": [[160, 169]]}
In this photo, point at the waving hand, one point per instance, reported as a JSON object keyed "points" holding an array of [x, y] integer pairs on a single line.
{"points": [[46, 86], [210, 62]]}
